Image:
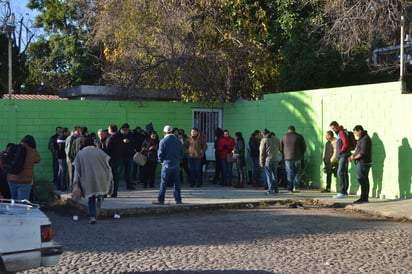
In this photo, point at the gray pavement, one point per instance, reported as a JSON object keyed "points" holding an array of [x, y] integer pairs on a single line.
{"points": [[208, 197]]}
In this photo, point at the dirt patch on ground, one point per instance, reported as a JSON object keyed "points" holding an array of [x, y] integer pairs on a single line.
{"points": [[61, 208]]}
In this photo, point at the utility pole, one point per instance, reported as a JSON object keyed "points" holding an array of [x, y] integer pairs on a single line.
{"points": [[402, 57], [10, 26]]}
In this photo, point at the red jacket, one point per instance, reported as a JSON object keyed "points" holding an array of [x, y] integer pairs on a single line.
{"points": [[344, 144], [225, 146]]}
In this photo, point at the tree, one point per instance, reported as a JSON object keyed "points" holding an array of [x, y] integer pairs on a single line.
{"points": [[331, 42], [62, 56], [209, 49], [190, 47]]}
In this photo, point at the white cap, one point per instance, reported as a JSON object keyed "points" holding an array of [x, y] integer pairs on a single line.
{"points": [[167, 129]]}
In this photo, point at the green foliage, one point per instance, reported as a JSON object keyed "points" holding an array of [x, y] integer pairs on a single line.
{"points": [[19, 70], [62, 56], [208, 50]]}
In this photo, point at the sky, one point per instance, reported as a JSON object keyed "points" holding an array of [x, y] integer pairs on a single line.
{"points": [[18, 7]]}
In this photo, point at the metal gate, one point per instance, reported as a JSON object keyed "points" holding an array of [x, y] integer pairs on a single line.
{"points": [[207, 120]]}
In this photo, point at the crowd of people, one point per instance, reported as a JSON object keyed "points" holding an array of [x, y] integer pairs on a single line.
{"points": [[95, 163], [80, 158], [265, 151], [337, 154]]}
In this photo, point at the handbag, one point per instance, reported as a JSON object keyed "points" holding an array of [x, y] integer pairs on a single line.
{"points": [[139, 158], [229, 157], [235, 156], [77, 193]]}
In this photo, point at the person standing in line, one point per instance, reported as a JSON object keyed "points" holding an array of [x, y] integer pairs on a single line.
{"points": [[52, 145], [329, 159], [80, 142], [115, 149], [149, 148], [100, 142], [139, 136], [20, 184], [68, 146], [363, 160], [170, 155], [226, 146], [269, 160], [195, 149], [239, 150], [129, 146], [254, 144], [342, 153], [183, 165], [93, 175], [4, 185], [218, 178], [293, 147], [61, 159]]}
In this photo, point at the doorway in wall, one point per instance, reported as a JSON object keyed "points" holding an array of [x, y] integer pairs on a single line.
{"points": [[207, 120]]}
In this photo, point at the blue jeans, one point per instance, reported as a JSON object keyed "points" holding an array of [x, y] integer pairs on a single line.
{"points": [[240, 171], [293, 169], [62, 174], [116, 166], [169, 173], [92, 206], [227, 172], [127, 165], [255, 170], [362, 172], [55, 171], [19, 191], [195, 172], [270, 169], [343, 174]]}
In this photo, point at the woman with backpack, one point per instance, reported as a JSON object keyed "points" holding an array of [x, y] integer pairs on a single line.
{"points": [[21, 182]]}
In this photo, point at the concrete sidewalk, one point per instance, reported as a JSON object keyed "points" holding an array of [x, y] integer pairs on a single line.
{"points": [[209, 197]]}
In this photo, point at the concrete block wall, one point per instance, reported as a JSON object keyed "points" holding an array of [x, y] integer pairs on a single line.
{"points": [[39, 118], [380, 108]]}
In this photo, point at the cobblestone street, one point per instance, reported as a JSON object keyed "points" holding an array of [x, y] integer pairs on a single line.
{"points": [[275, 239]]}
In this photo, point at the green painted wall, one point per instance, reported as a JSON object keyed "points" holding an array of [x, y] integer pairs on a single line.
{"points": [[39, 118], [381, 109]]}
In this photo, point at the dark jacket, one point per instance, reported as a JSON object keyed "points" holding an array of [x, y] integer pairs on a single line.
{"points": [[115, 147], [149, 148], [53, 145], [79, 143], [293, 146], [61, 144], [364, 147], [254, 144], [26, 176]]}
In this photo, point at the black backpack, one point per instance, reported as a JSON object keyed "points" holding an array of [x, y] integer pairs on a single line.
{"points": [[14, 159]]}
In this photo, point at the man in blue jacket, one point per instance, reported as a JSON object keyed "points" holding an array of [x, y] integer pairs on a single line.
{"points": [[170, 154]]}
